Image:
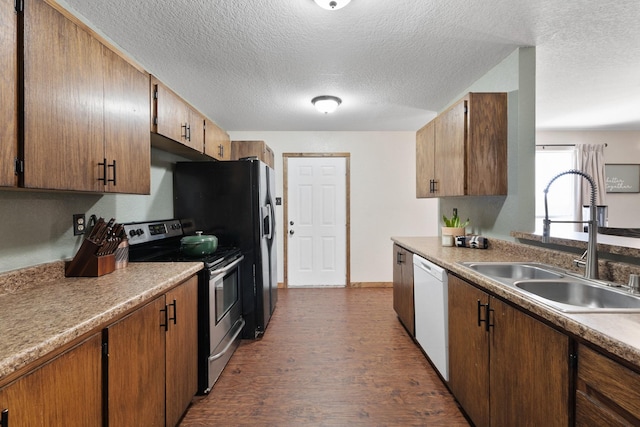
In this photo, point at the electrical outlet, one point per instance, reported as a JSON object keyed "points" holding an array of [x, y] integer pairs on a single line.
{"points": [[79, 224]]}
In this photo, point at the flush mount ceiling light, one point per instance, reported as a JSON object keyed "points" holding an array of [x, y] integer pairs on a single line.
{"points": [[326, 104], [332, 4]]}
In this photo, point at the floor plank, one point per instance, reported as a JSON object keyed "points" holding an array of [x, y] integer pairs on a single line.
{"points": [[329, 357]]}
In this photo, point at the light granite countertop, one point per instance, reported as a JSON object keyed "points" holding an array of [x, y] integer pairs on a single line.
{"points": [[618, 334], [41, 310]]}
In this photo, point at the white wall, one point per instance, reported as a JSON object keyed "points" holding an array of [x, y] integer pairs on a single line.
{"points": [[36, 227], [383, 198], [499, 215], [623, 147]]}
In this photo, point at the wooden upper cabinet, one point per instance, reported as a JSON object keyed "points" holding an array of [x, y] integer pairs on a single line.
{"points": [[8, 94], [216, 141], [83, 110], [175, 119], [259, 149], [451, 133], [65, 392], [469, 155], [126, 133], [425, 160], [63, 102]]}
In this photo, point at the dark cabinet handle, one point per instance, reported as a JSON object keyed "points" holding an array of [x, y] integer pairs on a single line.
{"points": [[165, 325], [433, 186], [4, 418], [221, 150], [104, 173], [399, 257], [480, 307], [489, 316], [113, 167], [175, 311], [183, 133], [188, 132]]}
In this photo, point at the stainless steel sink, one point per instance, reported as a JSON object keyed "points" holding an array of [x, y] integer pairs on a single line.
{"points": [[562, 290], [516, 271], [592, 297]]}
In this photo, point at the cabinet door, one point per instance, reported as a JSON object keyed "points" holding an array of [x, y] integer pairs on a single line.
{"points": [[182, 349], [608, 394], [126, 133], [469, 349], [217, 143], [8, 94], [65, 392], [425, 161], [63, 102], [486, 159], [136, 367], [403, 288], [529, 370], [195, 131], [451, 134], [171, 113]]}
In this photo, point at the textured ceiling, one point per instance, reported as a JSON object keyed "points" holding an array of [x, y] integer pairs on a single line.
{"points": [[256, 64]]}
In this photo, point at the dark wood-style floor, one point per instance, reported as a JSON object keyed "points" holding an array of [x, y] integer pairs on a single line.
{"points": [[329, 357]]}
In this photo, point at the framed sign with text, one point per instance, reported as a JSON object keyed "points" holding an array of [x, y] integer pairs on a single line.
{"points": [[622, 178]]}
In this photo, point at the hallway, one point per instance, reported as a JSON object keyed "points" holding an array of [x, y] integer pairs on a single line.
{"points": [[329, 357]]}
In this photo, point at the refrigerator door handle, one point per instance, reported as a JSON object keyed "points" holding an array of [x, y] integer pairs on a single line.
{"points": [[266, 221]]}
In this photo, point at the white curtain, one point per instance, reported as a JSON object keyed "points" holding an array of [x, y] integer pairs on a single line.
{"points": [[590, 160]]}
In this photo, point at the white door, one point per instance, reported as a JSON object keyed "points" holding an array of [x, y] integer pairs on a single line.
{"points": [[317, 217]]}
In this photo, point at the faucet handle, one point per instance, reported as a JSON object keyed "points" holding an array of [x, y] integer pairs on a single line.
{"points": [[634, 283]]}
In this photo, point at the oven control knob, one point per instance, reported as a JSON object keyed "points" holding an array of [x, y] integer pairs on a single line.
{"points": [[139, 232], [132, 233]]}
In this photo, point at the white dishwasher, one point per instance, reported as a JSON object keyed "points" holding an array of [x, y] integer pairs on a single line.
{"points": [[432, 325]]}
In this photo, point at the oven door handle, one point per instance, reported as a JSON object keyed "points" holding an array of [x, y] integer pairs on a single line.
{"points": [[228, 267], [229, 344]]}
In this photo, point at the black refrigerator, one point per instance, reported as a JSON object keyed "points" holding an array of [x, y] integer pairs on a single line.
{"points": [[233, 200]]}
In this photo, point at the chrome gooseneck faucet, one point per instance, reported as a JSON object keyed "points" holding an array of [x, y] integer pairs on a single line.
{"points": [[591, 269]]}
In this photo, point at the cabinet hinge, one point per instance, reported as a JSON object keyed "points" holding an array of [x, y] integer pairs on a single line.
{"points": [[19, 5], [573, 360], [19, 166]]}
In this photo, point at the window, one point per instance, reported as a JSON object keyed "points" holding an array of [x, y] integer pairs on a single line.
{"points": [[561, 199]]}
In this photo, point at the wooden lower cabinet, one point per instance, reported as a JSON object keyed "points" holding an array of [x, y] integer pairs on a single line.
{"points": [[403, 303], [506, 368], [153, 347], [136, 367], [181, 349], [65, 392], [608, 393]]}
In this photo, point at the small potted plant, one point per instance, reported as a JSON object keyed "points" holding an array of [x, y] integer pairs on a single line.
{"points": [[452, 227]]}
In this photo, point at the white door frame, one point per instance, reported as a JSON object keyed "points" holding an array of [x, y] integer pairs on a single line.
{"points": [[285, 178]]}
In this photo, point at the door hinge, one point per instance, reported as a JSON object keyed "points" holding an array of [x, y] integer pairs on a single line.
{"points": [[19, 5], [155, 93], [19, 166]]}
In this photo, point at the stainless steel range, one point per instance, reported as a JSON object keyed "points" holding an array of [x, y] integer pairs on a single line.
{"points": [[220, 321]]}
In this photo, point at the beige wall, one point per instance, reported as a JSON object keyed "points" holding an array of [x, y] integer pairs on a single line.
{"points": [[383, 193], [623, 147]]}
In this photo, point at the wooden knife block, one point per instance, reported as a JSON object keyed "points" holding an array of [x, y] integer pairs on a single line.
{"points": [[87, 264]]}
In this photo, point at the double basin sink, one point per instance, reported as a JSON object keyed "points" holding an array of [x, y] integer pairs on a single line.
{"points": [[559, 289]]}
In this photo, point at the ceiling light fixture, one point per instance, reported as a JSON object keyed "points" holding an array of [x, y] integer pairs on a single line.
{"points": [[332, 4], [326, 104]]}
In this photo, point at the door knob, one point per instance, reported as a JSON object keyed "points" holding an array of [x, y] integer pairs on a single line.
{"points": [[291, 232], [290, 222]]}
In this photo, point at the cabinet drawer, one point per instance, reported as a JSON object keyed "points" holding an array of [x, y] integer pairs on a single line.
{"points": [[613, 389]]}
